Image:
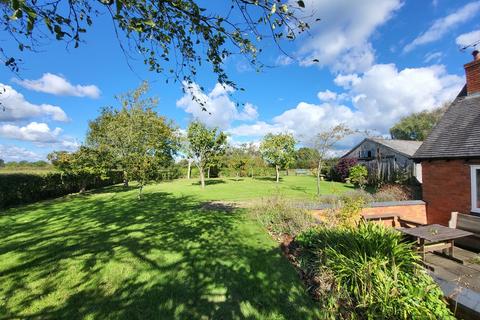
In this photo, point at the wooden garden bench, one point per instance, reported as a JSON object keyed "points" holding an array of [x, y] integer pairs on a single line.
{"points": [[470, 223], [301, 172]]}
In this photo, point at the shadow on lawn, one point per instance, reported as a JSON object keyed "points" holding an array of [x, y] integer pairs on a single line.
{"points": [[209, 182], [174, 260], [268, 179]]}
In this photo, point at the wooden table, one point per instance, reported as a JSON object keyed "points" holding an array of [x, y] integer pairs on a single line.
{"points": [[436, 237]]}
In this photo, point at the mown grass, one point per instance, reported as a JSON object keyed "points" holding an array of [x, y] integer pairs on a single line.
{"points": [[107, 255], [233, 189]]}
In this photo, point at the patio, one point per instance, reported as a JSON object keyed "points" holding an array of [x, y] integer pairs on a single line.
{"points": [[459, 282]]}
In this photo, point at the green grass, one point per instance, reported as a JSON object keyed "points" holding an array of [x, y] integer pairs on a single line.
{"points": [[107, 255], [232, 189]]}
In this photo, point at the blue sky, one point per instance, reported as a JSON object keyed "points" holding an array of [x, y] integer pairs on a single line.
{"points": [[379, 60]]}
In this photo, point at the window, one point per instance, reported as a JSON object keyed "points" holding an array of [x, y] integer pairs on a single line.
{"points": [[475, 177]]}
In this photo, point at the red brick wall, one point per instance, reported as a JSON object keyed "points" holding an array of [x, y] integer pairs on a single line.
{"points": [[446, 188], [472, 72], [410, 212], [414, 213]]}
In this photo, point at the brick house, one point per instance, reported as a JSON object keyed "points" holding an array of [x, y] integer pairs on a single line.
{"points": [[450, 156]]}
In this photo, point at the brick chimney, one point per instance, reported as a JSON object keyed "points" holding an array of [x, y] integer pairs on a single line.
{"points": [[472, 71]]}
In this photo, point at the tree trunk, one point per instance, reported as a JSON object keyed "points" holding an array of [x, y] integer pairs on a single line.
{"points": [[277, 170], [125, 179], [189, 170], [202, 178], [140, 192], [208, 173], [319, 171]]}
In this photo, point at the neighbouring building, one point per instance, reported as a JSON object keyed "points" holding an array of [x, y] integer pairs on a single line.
{"points": [[450, 156], [386, 159]]}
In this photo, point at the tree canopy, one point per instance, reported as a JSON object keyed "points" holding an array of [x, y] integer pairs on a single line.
{"points": [[306, 158], [172, 36], [135, 138], [324, 141], [417, 126], [205, 146], [278, 150]]}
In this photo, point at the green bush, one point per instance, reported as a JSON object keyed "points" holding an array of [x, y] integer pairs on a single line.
{"points": [[282, 217], [20, 188], [370, 274], [358, 175]]}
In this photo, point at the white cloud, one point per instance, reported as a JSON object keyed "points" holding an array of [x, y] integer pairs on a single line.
{"points": [[341, 39], [17, 108], [327, 95], [14, 153], [34, 132], [258, 129], [433, 57], [220, 112], [283, 60], [468, 38], [58, 85], [441, 26], [378, 98]]}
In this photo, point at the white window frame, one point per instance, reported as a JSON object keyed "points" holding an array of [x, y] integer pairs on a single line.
{"points": [[473, 178]]}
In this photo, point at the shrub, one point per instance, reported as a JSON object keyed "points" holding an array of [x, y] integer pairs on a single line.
{"points": [[372, 274], [19, 188], [393, 192], [342, 168], [358, 175], [282, 217]]}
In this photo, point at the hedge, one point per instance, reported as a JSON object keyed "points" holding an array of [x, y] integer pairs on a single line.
{"points": [[22, 188]]}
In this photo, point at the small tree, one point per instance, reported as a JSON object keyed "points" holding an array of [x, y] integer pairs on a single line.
{"points": [[306, 158], [342, 168], [2, 163], [136, 138], [278, 150], [324, 142], [204, 146], [237, 160], [358, 175]]}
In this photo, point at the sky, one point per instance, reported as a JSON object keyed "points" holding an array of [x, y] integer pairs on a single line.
{"points": [[378, 61]]}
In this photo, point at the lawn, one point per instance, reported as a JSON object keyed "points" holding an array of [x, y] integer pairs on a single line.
{"points": [[106, 255], [232, 189]]}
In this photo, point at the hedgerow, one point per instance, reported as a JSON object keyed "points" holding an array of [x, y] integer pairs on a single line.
{"points": [[22, 188]]}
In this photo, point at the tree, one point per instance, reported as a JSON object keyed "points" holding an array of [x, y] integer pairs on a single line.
{"points": [[417, 126], [205, 145], [2, 163], [323, 142], [137, 140], [237, 159], [172, 36], [278, 150], [306, 158], [358, 175], [82, 163]]}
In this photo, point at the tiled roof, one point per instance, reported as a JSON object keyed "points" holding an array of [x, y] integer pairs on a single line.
{"points": [[457, 134], [406, 147]]}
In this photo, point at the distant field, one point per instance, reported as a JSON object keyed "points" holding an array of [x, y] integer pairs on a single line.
{"points": [[27, 170]]}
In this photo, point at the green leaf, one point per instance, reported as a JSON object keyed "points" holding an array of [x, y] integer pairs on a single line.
{"points": [[301, 4]]}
